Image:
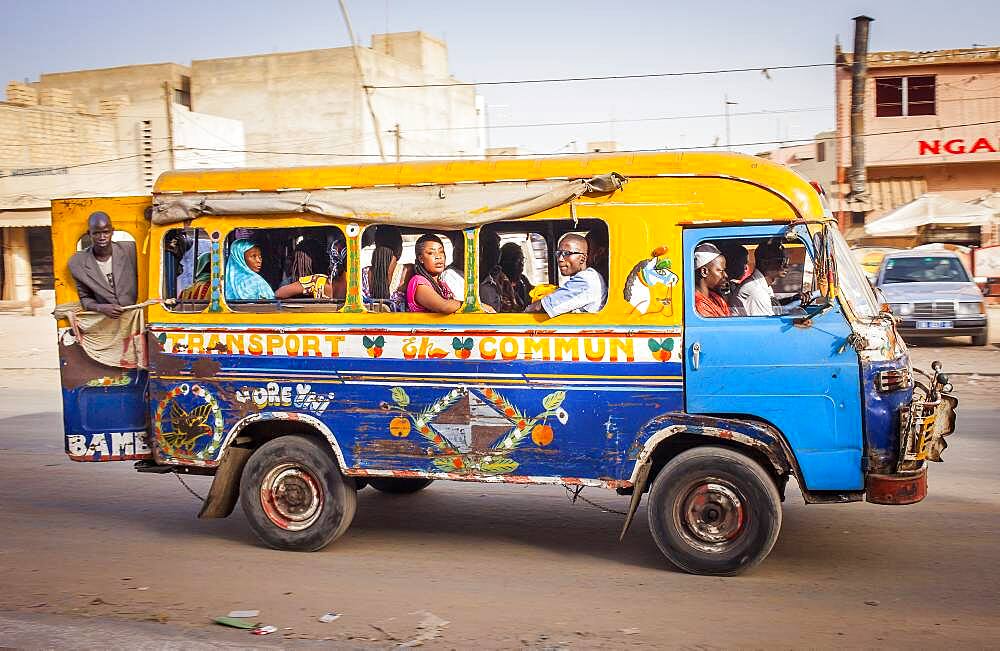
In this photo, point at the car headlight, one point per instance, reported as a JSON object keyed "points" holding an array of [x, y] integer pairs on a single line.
{"points": [[902, 309], [972, 308]]}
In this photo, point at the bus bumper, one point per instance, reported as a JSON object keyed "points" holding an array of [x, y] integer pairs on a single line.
{"points": [[897, 489]]}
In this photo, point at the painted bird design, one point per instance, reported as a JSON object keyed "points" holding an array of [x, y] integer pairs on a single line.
{"points": [[188, 427]]}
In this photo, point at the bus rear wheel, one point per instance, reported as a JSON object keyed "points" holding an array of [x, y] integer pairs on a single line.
{"points": [[398, 486], [294, 495], [714, 511]]}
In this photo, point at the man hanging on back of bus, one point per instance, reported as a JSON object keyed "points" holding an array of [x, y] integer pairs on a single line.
{"points": [[584, 289], [105, 272]]}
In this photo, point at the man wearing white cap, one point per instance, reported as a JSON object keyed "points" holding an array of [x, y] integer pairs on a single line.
{"points": [[710, 275]]}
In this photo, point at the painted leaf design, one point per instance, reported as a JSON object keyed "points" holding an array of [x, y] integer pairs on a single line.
{"points": [[653, 345], [662, 264], [554, 400], [668, 344], [368, 342], [499, 466], [380, 341], [447, 464], [400, 397]]}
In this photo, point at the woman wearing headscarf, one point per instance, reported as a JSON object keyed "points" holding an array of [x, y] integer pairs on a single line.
{"points": [[243, 280], [332, 286], [710, 275], [200, 287], [384, 281], [425, 292]]}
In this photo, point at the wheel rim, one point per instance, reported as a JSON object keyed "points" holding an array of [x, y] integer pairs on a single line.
{"points": [[710, 515], [291, 497]]}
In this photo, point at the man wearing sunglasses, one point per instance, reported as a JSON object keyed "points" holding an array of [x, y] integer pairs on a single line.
{"points": [[584, 289], [754, 297]]}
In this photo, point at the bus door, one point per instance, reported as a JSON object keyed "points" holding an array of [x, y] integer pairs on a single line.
{"points": [[804, 380], [105, 407]]}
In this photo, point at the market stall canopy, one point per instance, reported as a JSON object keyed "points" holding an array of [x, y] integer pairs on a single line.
{"points": [[929, 209], [446, 207]]}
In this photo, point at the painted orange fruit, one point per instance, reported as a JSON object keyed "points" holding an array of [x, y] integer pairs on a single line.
{"points": [[399, 426], [541, 435]]}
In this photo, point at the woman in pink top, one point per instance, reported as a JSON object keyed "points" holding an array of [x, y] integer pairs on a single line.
{"points": [[426, 292]]}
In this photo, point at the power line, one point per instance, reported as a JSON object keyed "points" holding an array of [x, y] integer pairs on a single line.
{"points": [[651, 75], [623, 151]]}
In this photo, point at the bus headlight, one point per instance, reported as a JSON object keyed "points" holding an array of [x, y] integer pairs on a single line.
{"points": [[972, 308], [902, 309]]}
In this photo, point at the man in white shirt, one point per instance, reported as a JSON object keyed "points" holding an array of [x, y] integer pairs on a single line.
{"points": [[584, 290], [754, 297]]}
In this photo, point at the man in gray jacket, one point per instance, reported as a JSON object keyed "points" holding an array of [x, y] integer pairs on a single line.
{"points": [[105, 272]]}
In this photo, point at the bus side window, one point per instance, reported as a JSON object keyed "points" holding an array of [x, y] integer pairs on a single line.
{"points": [[387, 265], [762, 277], [518, 264], [187, 269], [273, 269]]}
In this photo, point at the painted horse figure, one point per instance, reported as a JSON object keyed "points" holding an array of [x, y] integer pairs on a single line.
{"points": [[647, 287]]}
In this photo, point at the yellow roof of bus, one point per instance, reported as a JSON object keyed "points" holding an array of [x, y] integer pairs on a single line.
{"points": [[750, 169]]}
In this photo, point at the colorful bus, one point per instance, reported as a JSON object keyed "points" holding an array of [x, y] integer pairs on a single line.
{"points": [[294, 403]]}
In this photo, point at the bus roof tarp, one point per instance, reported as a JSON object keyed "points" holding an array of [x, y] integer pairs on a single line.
{"points": [[445, 207]]}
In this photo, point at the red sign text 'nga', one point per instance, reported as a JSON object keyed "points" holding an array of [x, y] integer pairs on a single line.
{"points": [[957, 146]]}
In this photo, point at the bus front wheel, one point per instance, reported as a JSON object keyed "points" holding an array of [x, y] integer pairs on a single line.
{"points": [[714, 511], [294, 495]]}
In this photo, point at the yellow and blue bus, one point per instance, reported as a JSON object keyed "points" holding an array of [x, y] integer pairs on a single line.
{"points": [[294, 403]]}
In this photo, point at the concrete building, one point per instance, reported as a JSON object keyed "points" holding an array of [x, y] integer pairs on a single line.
{"points": [[932, 124], [113, 131], [816, 161], [312, 105]]}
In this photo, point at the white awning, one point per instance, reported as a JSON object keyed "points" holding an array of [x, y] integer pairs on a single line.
{"points": [[926, 210], [25, 218]]}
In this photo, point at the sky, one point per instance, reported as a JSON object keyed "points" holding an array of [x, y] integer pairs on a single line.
{"points": [[517, 39]]}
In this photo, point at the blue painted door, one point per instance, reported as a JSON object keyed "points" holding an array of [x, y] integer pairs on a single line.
{"points": [[802, 380]]}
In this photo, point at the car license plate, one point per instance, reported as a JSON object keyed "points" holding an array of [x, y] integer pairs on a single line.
{"points": [[932, 325]]}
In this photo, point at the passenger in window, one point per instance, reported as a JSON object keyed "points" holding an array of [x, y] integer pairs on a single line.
{"points": [[736, 256], [489, 257], [384, 281], [243, 280], [425, 292], [318, 286], [512, 264], [307, 258], [584, 290], [199, 289], [710, 276], [754, 297]]}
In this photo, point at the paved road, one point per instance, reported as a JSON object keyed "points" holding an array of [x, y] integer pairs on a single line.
{"points": [[97, 555]]}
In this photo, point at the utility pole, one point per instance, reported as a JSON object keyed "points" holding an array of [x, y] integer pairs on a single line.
{"points": [[726, 104], [858, 196], [364, 84], [167, 97], [399, 138]]}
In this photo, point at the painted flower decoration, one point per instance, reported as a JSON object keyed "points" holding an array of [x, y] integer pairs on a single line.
{"points": [[374, 345], [463, 347], [562, 416]]}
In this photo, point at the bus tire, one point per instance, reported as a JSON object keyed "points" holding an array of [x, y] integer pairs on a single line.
{"points": [[294, 495], [714, 511], [398, 486]]}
